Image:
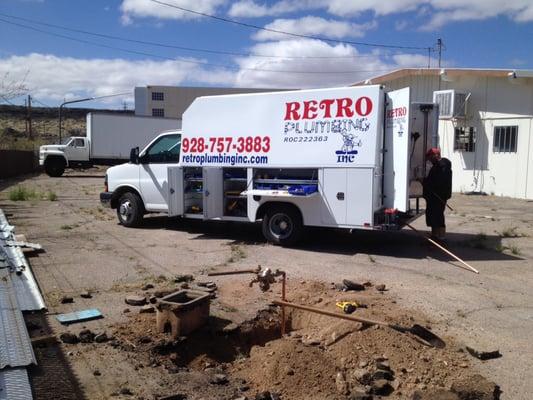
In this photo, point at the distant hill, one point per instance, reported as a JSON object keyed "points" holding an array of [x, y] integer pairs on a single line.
{"points": [[14, 132]]}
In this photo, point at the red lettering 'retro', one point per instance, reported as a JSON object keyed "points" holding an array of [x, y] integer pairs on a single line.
{"points": [[328, 108]]}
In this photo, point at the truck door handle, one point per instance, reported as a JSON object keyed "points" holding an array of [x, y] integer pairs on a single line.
{"points": [[340, 196], [172, 191], [206, 193]]}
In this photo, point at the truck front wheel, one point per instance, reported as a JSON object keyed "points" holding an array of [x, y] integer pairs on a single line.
{"points": [[282, 225], [130, 210], [54, 167]]}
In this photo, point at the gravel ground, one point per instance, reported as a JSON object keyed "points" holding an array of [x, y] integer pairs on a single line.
{"points": [[87, 250]]}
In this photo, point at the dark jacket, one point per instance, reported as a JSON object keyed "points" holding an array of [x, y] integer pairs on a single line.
{"points": [[439, 181]]}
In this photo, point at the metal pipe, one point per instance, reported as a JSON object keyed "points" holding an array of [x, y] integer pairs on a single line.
{"points": [[283, 279], [61, 108], [329, 313], [236, 272]]}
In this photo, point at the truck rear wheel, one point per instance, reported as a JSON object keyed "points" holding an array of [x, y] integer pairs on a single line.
{"points": [[54, 167], [130, 210], [282, 225]]}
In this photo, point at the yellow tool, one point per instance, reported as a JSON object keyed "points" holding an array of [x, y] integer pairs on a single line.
{"points": [[348, 307]]}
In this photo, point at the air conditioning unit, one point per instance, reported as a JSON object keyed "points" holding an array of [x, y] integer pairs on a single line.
{"points": [[452, 104]]}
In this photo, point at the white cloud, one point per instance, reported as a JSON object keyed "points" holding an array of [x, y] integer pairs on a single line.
{"points": [[251, 9], [342, 59], [440, 12], [145, 8], [316, 26], [53, 78]]}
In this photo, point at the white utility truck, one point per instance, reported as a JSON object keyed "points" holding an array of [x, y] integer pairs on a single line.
{"points": [[342, 158], [109, 140]]}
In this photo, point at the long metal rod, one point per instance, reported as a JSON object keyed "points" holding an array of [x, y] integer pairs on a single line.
{"points": [[330, 314], [237, 272], [445, 250]]}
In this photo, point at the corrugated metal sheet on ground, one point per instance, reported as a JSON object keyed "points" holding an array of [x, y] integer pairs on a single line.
{"points": [[15, 384], [15, 345]]}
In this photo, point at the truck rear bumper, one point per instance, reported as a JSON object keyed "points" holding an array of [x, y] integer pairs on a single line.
{"points": [[105, 198]]}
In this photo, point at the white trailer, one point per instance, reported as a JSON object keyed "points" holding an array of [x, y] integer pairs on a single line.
{"points": [[341, 158], [108, 141]]}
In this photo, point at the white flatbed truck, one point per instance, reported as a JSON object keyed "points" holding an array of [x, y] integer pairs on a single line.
{"points": [[108, 141], [341, 158]]}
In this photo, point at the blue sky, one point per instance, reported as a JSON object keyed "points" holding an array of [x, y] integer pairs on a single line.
{"points": [[476, 33]]}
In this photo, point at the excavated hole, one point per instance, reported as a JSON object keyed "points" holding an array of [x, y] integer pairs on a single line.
{"points": [[220, 345]]}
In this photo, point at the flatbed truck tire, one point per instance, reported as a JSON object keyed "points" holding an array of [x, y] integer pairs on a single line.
{"points": [[54, 167], [282, 225], [130, 210]]}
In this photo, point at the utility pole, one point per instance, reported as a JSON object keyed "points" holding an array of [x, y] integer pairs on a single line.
{"points": [[28, 118], [439, 49]]}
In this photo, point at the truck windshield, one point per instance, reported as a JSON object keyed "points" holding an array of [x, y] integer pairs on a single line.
{"points": [[166, 149], [66, 140]]}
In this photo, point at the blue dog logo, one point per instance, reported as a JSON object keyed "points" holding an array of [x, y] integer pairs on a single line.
{"points": [[347, 153]]}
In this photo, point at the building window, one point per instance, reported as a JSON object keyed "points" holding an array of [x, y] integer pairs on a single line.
{"points": [[505, 139], [465, 139], [158, 96], [158, 112]]}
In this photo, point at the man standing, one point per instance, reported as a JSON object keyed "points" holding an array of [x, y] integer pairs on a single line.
{"points": [[437, 190]]}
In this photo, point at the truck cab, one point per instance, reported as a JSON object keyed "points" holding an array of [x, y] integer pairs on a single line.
{"points": [[72, 151], [141, 185]]}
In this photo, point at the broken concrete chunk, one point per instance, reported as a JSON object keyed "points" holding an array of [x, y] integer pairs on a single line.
{"points": [[86, 336], [147, 309], [101, 338], [341, 384], [381, 387], [219, 379], [67, 300], [68, 338], [439, 394], [381, 288], [351, 285], [148, 286], [135, 300], [483, 355], [86, 295], [476, 387], [380, 374]]}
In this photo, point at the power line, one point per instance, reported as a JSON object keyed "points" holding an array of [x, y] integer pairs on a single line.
{"points": [[300, 35], [171, 46], [180, 59]]}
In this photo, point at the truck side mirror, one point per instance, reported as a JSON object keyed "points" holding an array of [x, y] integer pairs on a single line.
{"points": [[134, 155]]}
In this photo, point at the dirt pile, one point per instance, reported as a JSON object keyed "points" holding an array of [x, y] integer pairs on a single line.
{"points": [[320, 357]]}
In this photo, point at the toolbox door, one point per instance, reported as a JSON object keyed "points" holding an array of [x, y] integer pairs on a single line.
{"points": [[175, 191], [213, 193], [397, 154]]}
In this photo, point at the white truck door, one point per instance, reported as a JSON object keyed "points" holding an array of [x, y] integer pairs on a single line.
{"points": [[397, 140], [213, 193], [175, 191], [77, 150]]}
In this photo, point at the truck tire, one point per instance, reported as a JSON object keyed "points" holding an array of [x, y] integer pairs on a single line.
{"points": [[282, 225], [130, 210], [54, 167]]}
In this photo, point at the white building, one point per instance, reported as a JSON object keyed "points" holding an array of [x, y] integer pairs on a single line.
{"points": [[485, 126], [172, 101]]}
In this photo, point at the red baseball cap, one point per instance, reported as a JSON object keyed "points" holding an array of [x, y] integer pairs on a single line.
{"points": [[434, 151]]}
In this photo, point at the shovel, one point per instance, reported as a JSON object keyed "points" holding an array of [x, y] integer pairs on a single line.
{"points": [[423, 335]]}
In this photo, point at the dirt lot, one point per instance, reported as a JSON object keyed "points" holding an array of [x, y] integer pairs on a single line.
{"points": [[241, 353]]}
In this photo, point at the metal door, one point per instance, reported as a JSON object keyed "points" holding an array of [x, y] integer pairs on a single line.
{"points": [[333, 187], [396, 160], [175, 191], [213, 193]]}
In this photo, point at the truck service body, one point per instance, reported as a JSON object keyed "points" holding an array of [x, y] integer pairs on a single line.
{"points": [[341, 158], [108, 141]]}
